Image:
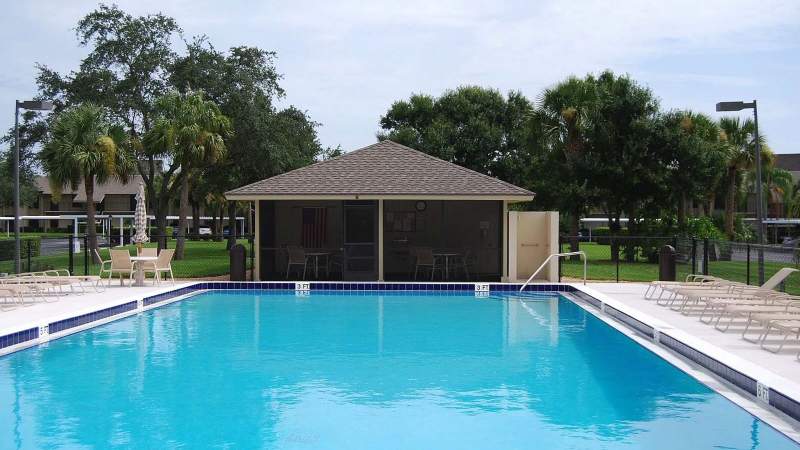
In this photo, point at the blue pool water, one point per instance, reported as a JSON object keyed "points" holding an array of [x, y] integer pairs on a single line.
{"points": [[367, 371]]}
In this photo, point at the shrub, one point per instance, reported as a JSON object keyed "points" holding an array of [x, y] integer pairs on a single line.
{"points": [[7, 247], [703, 228]]}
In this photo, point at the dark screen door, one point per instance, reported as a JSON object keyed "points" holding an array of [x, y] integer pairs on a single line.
{"points": [[360, 240]]}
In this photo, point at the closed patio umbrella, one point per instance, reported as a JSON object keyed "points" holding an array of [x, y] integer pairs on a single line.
{"points": [[140, 219]]}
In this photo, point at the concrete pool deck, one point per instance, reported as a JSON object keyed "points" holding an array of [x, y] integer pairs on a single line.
{"points": [[38, 313]]}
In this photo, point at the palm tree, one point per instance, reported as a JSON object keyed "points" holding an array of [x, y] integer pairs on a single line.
{"points": [[564, 111], [191, 130], [83, 144], [778, 187], [738, 141]]}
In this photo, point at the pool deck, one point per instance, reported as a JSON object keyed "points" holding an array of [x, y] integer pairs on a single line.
{"points": [[780, 371], [69, 305]]}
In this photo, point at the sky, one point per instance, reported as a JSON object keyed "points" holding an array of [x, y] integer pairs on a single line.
{"points": [[345, 62]]}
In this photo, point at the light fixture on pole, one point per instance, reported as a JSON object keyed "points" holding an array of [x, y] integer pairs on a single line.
{"points": [[33, 105], [738, 106]]}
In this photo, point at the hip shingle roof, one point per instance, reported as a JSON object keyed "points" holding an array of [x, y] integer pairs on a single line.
{"points": [[385, 168]]}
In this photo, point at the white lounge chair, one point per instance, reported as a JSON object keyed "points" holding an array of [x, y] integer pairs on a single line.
{"points": [[691, 280], [731, 291]]}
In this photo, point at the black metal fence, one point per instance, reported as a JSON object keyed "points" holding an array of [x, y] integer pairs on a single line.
{"points": [[635, 258], [204, 255]]}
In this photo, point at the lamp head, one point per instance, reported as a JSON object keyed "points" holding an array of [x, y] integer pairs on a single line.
{"points": [[36, 105]]}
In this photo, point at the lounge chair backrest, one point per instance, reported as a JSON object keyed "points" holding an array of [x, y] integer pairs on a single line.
{"points": [[149, 251], [296, 254], [425, 256], [779, 277], [165, 258], [121, 259]]}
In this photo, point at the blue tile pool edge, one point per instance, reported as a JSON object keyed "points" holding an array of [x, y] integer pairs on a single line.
{"points": [[32, 336]]}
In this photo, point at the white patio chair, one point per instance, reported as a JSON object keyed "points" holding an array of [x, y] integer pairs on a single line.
{"points": [[427, 261], [162, 264], [296, 258], [121, 263]]}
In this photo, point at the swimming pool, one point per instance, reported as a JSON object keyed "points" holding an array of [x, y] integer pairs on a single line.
{"points": [[362, 370]]}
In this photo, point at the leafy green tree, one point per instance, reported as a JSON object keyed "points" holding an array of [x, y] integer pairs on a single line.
{"points": [[471, 126], [32, 130], [84, 144], [125, 70], [694, 158], [628, 174], [266, 141], [191, 131]]}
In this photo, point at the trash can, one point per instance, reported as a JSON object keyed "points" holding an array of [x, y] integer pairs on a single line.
{"points": [[666, 263], [238, 256]]}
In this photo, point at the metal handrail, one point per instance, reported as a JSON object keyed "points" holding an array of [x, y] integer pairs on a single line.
{"points": [[557, 255]]}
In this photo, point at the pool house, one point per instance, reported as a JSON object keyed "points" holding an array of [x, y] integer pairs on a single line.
{"points": [[382, 212]]}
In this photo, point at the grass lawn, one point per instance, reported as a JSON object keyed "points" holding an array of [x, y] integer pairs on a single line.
{"points": [[202, 259], [601, 267]]}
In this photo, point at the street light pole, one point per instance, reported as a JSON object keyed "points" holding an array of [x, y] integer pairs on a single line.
{"points": [[760, 200], [33, 105], [16, 189]]}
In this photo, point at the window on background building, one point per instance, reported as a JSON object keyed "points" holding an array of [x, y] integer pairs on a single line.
{"points": [[314, 227]]}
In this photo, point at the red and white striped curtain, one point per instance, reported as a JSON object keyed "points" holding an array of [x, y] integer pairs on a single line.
{"points": [[314, 227]]}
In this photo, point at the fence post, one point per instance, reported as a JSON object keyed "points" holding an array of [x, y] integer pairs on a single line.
{"points": [[705, 256], [748, 263], [71, 256], [694, 255], [252, 258], [615, 255], [86, 251]]}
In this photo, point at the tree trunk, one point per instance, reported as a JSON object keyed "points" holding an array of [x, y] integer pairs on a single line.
{"points": [[183, 212], [711, 204], [730, 203], [195, 218], [681, 211], [574, 229], [160, 209], [231, 224], [613, 231], [91, 231], [218, 224]]}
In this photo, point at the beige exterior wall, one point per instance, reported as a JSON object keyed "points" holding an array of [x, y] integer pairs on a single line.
{"points": [[533, 236]]}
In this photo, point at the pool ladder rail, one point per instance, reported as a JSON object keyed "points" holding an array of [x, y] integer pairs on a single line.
{"points": [[556, 255]]}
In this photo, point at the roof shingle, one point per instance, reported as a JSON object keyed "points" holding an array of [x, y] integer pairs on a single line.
{"points": [[385, 168]]}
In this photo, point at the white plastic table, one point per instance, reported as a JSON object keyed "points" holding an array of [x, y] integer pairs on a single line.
{"points": [[446, 256], [139, 261], [316, 256]]}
